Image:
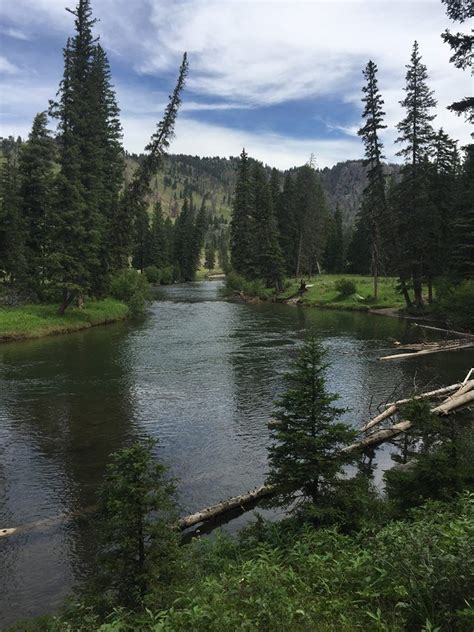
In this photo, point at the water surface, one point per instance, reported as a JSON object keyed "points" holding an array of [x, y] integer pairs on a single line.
{"points": [[199, 374]]}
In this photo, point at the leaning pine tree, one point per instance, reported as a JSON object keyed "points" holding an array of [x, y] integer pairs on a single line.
{"points": [[306, 458]]}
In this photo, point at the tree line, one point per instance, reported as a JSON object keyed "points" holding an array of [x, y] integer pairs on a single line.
{"points": [[68, 218], [277, 230], [418, 225]]}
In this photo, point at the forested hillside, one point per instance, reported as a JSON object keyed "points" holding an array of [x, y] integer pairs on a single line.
{"points": [[213, 178]]}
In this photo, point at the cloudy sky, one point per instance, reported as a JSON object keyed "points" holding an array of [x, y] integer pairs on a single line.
{"points": [[282, 79]]}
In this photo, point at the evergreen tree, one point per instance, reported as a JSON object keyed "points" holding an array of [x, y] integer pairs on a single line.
{"points": [[80, 225], [137, 543], [142, 236], [210, 256], [242, 255], [334, 253], [12, 225], [463, 229], [135, 196], [109, 162], [287, 226], [184, 244], [412, 199], [311, 220], [359, 256], [36, 164], [439, 237], [269, 263], [306, 454], [462, 46], [200, 227], [374, 203], [158, 247]]}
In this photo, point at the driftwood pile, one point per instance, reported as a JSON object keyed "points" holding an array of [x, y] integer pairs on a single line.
{"points": [[425, 348]]}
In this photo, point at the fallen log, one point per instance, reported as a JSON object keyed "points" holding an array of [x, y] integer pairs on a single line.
{"points": [[241, 501], [376, 420], [427, 395], [460, 389], [454, 403], [463, 334], [414, 354], [421, 346], [379, 436]]}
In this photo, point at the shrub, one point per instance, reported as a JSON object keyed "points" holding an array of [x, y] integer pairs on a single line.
{"points": [[345, 287], [132, 288], [234, 282], [166, 275], [457, 305], [153, 274]]}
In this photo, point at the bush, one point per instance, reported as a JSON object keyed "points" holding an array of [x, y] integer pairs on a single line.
{"points": [[166, 275], [345, 287], [153, 274], [132, 288], [456, 304]]}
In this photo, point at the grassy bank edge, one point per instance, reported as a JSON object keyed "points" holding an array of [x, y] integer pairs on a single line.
{"points": [[37, 321], [323, 294]]}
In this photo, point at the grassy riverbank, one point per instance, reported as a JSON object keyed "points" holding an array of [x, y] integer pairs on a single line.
{"points": [[35, 321], [324, 293]]}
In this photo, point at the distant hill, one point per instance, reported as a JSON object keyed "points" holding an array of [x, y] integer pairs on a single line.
{"points": [[215, 177]]}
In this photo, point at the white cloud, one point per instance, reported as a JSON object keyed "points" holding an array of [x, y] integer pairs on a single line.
{"points": [[7, 67], [13, 32], [251, 53], [204, 139]]}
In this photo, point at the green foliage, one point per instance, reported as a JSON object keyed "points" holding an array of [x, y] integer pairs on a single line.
{"points": [[153, 274], [132, 288], [306, 454], [255, 289], [456, 304], [409, 575], [34, 321], [166, 275], [345, 287], [137, 544], [435, 456]]}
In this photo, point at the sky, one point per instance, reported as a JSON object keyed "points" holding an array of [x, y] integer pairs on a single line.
{"points": [[282, 79]]}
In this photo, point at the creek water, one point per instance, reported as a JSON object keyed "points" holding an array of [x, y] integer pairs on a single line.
{"points": [[199, 374]]}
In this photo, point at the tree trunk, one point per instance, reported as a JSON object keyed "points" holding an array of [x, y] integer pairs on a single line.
{"points": [[417, 287], [406, 294], [67, 300], [298, 259], [430, 290]]}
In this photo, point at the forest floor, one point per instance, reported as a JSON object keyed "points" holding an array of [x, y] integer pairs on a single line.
{"points": [[35, 321]]}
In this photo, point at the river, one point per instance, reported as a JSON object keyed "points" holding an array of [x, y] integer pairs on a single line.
{"points": [[199, 374]]}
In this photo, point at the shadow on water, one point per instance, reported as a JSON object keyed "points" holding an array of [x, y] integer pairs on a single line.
{"points": [[198, 373]]}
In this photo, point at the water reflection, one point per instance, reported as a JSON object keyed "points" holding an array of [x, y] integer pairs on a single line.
{"points": [[198, 373]]}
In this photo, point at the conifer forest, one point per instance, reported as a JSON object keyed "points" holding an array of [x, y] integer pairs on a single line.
{"points": [[237, 316]]}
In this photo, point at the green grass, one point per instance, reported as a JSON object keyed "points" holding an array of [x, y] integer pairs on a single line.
{"points": [[202, 273], [34, 321], [324, 294]]}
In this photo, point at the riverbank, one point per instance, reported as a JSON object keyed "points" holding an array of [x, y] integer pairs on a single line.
{"points": [[36, 321], [322, 291]]}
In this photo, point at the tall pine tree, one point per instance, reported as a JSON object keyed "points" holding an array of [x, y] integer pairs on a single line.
{"points": [[412, 200], [269, 262], [242, 223], [374, 203], [36, 164]]}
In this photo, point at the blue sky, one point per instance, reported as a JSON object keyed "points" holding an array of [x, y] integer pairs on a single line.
{"points": [[281, 78]]}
